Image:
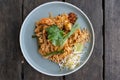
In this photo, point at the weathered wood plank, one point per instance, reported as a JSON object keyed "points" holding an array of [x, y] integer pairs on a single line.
{"points": [[112, 39], [10, 54], [29, 72], [32, 74], [94, 67]]}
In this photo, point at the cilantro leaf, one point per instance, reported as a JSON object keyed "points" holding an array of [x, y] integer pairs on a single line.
{"points": [[55, 35]]}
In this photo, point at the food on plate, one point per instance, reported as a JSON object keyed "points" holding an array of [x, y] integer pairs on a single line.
{"points": [[60, 39]]}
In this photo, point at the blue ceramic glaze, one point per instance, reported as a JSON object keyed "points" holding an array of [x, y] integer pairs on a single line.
{"points": [[29, 45]]}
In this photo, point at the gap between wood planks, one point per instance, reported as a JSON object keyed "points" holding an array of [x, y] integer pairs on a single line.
{"points": [[103, 32], [63, 76], [22, 62]]}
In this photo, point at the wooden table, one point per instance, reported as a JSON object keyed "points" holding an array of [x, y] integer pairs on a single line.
{"points": [[104, 63]]}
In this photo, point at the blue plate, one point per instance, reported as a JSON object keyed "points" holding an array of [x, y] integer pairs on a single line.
{"points": [[29, 45]]}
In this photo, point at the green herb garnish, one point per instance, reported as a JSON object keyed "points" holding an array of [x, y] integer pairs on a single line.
{"points": [[34, 36], [53, 53], [74, 28], [57, 37]]}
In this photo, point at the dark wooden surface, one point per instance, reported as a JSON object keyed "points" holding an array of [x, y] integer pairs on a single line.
{"points": [[104, 64], [10, 54], [112, 40]]}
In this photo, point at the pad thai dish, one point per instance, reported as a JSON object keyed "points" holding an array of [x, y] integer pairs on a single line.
{"points": [[60, 39]]}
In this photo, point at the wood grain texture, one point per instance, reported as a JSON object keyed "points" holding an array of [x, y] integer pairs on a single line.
{"points": [[29, 72], [112, 39], [93, 69], [10, 54]]}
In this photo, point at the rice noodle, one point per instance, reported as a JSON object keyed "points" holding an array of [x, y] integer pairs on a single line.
{"points": [[63, 23]]}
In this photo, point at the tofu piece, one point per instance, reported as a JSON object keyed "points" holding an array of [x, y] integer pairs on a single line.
{"points": [[68, 26]]}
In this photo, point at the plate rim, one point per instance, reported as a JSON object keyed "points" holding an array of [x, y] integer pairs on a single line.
{"points": [[47, 3]]}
